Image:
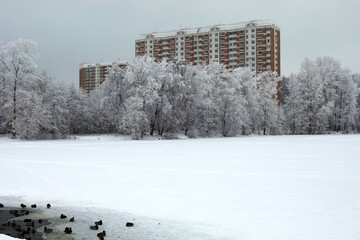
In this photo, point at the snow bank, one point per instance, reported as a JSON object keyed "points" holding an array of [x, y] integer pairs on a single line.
{"points": [[4, 237]]}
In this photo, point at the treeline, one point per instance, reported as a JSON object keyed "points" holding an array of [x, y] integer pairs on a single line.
{"points": [[150, 98]]}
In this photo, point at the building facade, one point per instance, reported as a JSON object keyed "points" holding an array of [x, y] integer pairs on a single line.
{"points": [[254, 44], [92, 76]]}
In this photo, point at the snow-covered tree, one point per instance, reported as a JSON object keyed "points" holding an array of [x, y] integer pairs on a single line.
{"points": [[168, 115], [347, 111], [55, 98], [112, 97], [32, 114], [294, 106], [269, 113], [80, 117], [18, 71], [231, 104], [248, 87], [141, 80], [313, 89], [134, 120]]}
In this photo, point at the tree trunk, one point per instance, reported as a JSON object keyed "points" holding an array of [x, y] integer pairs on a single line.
{"points": [[13, 130]]}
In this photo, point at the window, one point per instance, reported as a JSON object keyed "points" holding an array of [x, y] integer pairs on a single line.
{"points": [[216, 45], [253, 42], [252, 30]]}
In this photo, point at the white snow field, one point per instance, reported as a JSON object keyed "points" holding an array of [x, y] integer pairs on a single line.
{"points": [[257, 187]]}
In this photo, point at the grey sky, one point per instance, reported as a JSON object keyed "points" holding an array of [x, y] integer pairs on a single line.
{"points": [[71, 31]]}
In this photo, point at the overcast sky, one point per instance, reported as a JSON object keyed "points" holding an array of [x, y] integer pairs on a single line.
{"points": [[71, 31]]}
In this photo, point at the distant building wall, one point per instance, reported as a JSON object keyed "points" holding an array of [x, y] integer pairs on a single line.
{"points": [[91, 76], [254, 44]]}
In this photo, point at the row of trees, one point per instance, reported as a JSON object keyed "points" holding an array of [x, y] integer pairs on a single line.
{"points": [[168, 98]]}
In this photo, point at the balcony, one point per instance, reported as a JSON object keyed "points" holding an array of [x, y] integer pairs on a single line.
{"points": [[225, 46]]}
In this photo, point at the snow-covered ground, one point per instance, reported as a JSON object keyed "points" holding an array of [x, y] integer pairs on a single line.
{"points": [[271, 187]]}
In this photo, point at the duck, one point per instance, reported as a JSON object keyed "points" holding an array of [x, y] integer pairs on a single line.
{"points": [[72, 219], [40, 221], [48, 205], [1, 205], [22, 205], [33, 206], [129, 224], [30, 224], [68, 230], [96, 227], [99, 223], [27, 220], [47, 230], [101, 235], [62, 216]]}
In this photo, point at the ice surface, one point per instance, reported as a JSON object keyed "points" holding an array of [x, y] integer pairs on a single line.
{"points": [[272, 187]]}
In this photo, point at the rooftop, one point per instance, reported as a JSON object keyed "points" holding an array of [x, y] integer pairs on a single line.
{"points": [[86, 64], [217, 27]]}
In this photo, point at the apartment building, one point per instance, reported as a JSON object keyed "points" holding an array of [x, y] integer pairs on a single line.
{"points": [[254, 44], [92, 76]]}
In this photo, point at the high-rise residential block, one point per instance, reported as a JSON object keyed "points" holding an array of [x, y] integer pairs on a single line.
{"points": [[92, 76], [254, 44]]}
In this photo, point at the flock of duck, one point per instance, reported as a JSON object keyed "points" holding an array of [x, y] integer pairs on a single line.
{"points": [[29, 226]]}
